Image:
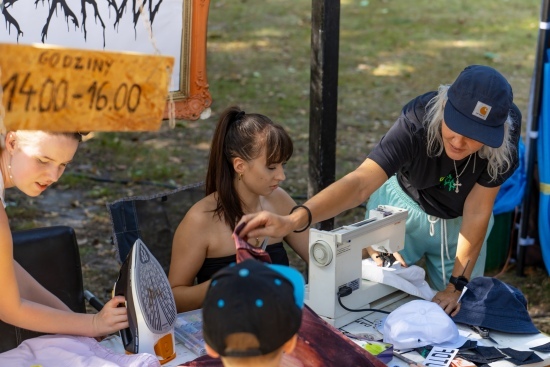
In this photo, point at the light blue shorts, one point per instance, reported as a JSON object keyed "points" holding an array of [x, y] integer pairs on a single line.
{"points": [[418, 240]]}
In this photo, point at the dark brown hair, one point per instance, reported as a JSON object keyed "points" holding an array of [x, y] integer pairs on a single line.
{"points": [[244, 136]]}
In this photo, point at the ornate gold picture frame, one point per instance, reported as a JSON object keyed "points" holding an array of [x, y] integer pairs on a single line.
{"points": [[193, 99], [123, 26]]}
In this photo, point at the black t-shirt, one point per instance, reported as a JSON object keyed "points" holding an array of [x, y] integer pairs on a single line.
{"points": [[430, 181]]}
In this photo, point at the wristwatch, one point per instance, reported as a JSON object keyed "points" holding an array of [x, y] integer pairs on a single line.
{"points": [[459, 282]]}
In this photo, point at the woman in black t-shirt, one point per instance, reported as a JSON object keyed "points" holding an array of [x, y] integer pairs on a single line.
{"points": [[451, 151]]}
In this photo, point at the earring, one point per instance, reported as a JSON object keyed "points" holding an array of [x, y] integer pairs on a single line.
{"points": [[240, 176], [9, 166]]}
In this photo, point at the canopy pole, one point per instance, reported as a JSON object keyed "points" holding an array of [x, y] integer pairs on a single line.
{"points": [[325, 34]]}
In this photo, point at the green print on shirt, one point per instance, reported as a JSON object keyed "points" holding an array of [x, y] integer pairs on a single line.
{"points": [[448, 182]]}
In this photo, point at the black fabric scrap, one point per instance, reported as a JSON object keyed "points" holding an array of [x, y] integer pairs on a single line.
{"points": [[490, 353], [520, 357], [470, 344], [474, 358], [534, 358], [544, 348], [517, 354]]}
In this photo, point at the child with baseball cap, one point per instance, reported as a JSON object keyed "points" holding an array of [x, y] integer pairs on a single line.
{"points": [[252, 312]]}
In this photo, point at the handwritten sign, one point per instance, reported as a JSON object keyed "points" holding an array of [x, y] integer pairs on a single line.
{"points": [[60, 89]]}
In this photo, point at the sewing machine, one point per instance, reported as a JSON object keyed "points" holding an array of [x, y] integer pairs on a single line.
{"points": [[335, 261]]}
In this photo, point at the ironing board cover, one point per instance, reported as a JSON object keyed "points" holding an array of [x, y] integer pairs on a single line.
{"points": [[319, 344]]}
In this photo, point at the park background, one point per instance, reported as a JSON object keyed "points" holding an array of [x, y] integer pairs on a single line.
{"points": [[258, 57]]}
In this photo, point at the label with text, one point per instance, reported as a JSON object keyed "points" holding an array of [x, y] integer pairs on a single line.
{"points": [[440, 357], [60, 89]]}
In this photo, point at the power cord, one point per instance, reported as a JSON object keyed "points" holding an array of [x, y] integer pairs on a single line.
{"points": [[346, 291]]}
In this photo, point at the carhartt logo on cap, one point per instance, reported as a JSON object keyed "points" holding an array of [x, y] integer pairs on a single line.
{"points": [[482, 110]]}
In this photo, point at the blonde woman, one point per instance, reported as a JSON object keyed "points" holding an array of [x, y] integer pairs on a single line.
{"points": [[32, 161]]}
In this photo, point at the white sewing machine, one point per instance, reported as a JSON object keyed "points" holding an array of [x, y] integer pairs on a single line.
{"points": [[335, 261]]}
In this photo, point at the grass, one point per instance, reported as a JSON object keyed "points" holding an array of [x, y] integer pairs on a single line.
{"points": [[259, 58]]}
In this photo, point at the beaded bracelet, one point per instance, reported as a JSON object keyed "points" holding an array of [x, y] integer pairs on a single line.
{"points": [[309, 217]]}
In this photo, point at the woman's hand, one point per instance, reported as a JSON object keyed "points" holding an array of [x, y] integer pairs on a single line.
{"points": [[447, 299], [112, 317], [265, 224], [400, 259], [375, 256]]}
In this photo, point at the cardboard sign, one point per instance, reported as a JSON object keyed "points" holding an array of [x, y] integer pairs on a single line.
{"points": [[60, 89]]}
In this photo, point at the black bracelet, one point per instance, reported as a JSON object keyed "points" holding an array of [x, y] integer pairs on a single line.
{"points": [[309, 217]]}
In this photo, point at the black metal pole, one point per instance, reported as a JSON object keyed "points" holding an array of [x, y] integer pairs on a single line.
{"points": [[532, 134], [325, 34]]}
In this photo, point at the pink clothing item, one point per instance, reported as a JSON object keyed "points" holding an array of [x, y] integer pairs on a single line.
{"points": [[71, 351], [247, 251]]}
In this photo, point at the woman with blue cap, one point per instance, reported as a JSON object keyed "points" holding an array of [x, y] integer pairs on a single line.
{"points": [[443, 160]]}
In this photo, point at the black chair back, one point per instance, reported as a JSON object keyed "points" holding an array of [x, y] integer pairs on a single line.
{"points": [[153, 218], [51, 256]]}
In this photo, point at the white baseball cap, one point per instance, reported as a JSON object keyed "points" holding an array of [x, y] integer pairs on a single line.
{"points": [[419, 323]]}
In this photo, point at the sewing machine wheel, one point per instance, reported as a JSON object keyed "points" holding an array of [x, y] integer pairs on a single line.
{"points": [[321, 253]]}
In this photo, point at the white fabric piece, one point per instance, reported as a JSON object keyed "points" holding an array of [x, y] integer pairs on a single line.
{"points": [[419, 323], [71, 351], [410, 280]]}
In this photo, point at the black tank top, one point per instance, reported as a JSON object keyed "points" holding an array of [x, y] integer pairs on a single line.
{"points": [[211, 265]]}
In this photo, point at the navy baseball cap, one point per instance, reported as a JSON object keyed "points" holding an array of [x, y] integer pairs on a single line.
{"points": [[478, 105], [492, 304], [264, 300]]}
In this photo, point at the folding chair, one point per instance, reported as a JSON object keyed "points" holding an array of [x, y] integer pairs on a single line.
{"points": [[51, 256], [153, 219]]}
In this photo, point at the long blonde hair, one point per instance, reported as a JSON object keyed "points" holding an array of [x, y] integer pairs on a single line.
{"points": [[499, 159]]}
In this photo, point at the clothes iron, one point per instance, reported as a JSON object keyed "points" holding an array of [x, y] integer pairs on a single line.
{"points": [[150, 305]]}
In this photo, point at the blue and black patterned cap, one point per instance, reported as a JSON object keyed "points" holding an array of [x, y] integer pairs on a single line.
{"points": [[264, 300]]}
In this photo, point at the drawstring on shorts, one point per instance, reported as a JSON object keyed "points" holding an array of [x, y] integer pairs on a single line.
{"points": [[444, 245]]}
